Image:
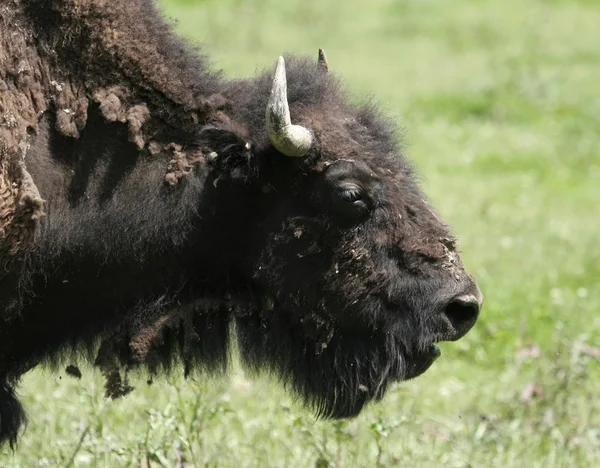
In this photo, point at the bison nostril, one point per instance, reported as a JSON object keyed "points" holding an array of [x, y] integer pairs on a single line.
{"points": [[462, 312]]}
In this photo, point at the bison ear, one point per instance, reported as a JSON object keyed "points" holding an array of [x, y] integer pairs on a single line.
{"points": [[228, 153]]}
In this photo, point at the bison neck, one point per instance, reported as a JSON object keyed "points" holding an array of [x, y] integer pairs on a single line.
{"points": [[117, 242]]}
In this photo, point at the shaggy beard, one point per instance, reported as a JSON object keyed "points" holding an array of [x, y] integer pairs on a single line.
{"points": [[336, 379]]}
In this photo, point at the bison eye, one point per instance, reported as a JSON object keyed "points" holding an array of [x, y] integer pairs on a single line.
{"points": [[352, 194], [352, 200]]}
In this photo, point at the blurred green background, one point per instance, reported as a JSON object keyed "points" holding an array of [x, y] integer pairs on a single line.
{"points": [[500, 100]]}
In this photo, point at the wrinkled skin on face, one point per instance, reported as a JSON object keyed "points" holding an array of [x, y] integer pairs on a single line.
{"points": [[360, 277]]}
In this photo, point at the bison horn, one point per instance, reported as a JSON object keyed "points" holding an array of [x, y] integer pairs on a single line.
{"points": [[322, 63], [291, 140]]}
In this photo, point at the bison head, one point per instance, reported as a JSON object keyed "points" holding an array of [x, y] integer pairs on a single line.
{"points": [[358, 277]]}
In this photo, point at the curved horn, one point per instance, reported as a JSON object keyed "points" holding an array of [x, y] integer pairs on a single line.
{"points": [[322, 62], [291, 140]]}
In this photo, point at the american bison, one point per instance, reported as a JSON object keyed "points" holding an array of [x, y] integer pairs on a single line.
{"points": [[153, 211]]}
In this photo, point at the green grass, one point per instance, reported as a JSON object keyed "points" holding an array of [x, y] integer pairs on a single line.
{"points": [[501, 104]]}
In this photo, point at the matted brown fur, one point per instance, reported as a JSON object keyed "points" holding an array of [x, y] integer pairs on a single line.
{"points": [[110, 52], [21, 102], [118, 55], [114, 53]]}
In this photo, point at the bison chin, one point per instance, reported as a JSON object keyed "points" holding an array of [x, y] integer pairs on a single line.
{"points": [[337, 375]]}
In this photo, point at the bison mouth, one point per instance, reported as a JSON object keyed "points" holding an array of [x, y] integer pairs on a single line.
{"points": [[422, 361]]}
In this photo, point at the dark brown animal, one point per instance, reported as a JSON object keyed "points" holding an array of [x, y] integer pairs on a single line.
{"points": [[151, 208]]}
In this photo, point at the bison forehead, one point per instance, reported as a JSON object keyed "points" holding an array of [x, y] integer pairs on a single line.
{"points": [[338, 139]]}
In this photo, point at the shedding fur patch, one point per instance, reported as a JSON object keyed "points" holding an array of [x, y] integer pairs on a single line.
{"points": [[62, 56], [115, 385], [115, 106], [182, 160], [160, 341], [20, 209]]}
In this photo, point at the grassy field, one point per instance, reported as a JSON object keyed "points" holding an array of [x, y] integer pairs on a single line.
{"points": [[501, 105]]}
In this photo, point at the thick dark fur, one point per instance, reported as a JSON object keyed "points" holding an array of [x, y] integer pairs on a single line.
{"points": [[12, 415], [170, 218]]}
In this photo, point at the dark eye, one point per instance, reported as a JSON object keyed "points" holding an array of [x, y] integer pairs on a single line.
{"points": [[352, 200], [352, 194]]}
